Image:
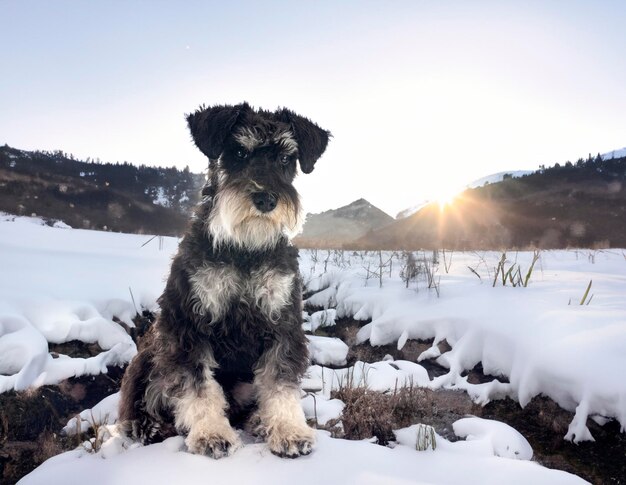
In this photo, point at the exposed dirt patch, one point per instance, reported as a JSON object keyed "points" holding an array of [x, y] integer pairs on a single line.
{"points": [[31, 421], [74, 348], [370, 413]]}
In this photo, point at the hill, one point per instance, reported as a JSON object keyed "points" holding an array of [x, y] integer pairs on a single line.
{"points": [[338, 226], [579, 205], [107, 196], [489, 179]]}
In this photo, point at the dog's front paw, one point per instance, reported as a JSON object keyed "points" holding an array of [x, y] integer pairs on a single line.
{"points": [[213, 444], [291, 442]]}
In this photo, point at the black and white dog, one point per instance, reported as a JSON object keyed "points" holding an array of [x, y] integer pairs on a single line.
{"points": [[228, 341]]}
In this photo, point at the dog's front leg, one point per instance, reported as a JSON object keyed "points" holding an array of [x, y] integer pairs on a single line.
{"points": [[280, 412], [201, 412]]}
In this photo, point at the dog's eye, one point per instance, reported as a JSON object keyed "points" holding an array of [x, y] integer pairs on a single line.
{"points": [[286, 159], [242, 153]]}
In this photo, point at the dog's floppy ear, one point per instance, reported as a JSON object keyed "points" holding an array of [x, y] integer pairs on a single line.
{"points": [[312, 139], [210, 126]]}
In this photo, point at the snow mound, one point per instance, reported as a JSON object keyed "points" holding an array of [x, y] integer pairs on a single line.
{"points": [[320, 409], [379, 376], [321, 319], [503, 439], [327, 350], [103, 413], [25, 360]]}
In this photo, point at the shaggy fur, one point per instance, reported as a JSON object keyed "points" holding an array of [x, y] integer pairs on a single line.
{"points": [[228, 343]]}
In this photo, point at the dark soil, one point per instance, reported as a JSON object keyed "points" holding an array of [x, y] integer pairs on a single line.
{"points": [[31, 421], [75, 348], [542, 422]]}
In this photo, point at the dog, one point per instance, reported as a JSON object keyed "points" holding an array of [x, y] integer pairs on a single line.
{"points": [[227, 346]]}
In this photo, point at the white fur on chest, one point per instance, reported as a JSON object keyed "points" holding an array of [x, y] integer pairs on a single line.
{"points": [[271, 291], [215, 288]]}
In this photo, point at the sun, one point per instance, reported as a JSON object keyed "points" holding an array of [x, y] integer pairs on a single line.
{"points": [[446, 197]]}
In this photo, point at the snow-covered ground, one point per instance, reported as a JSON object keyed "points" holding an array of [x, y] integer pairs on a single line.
{"points": [[539, 337], [59, 284], [333, 461]]}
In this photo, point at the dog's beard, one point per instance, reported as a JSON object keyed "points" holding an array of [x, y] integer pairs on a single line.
{"points": [[234, 220]]}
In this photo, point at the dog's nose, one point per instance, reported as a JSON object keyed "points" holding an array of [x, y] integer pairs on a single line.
{"points": [[264, 201]]}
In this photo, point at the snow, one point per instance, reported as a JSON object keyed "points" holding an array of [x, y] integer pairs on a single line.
{"points": [[379, 376], [322, 410], [409, 211], [321, 319], [332, 461], [60, 284], [497, 177], [614, 154], [103, 413], [160, 198], [533, 336], [327, 350], [503, 440]]}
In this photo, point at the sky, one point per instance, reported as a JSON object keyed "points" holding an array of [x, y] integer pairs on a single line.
{"points": [[421, 97]]}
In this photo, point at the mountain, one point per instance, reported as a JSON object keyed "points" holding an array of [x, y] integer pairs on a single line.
{"points": [[489, 179], [497, 177], [335, 227], [614, 154], [105, 196], [409, 211], [578, 205]]}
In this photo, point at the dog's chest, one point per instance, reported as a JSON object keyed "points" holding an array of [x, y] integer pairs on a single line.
{"points": [[217, 288]]}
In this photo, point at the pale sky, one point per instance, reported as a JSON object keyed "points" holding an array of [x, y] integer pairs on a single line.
{"points": [[421, 96]]}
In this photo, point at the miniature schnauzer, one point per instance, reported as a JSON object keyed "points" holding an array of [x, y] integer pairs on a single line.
{"points": [[228, 343]]}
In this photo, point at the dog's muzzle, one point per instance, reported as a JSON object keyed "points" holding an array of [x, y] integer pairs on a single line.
{"points": [[264, 201]]}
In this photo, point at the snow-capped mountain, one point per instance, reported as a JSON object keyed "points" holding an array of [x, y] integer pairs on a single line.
{"points": [[614, 154], [412, 210], [497, 177], [489, 179]]}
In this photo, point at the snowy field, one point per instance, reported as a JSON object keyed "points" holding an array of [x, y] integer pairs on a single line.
{"points": [[59, 284], [538, 336]]}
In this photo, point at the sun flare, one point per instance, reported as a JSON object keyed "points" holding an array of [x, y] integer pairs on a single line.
{"points": [[446, 197]]}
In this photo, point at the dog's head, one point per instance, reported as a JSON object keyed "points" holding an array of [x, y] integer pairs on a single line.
{"points": [[254, 156]]}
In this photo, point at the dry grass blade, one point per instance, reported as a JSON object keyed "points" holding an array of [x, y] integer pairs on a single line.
{"points": [[582, 302], [532, 266]]}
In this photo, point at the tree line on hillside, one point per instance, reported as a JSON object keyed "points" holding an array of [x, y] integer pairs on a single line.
{"points": [[94, 195], [174, 187]]}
